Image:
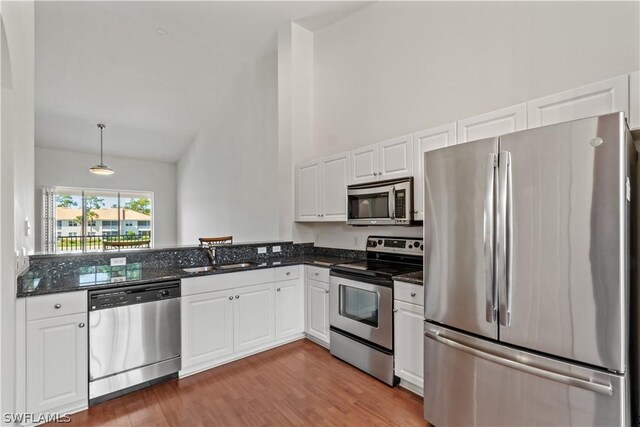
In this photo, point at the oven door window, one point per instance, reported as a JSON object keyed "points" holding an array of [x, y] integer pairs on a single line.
{"points": [[359, 305], [364, 206]]}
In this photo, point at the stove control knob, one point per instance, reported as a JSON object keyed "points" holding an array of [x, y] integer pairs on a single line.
{"points": [[380, 241], [410, 247], [374, 244], [421, 247], [416, 244]]}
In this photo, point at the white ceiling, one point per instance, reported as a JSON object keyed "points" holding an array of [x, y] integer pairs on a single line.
{"points": [[105, 62]]}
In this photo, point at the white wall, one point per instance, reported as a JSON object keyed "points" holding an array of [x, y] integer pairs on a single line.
{"points": [[394, 68], [71, 169], [228, 178], [16, 173]]}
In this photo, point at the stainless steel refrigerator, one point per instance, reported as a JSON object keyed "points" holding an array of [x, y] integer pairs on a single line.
{"points": [[529, 241]]}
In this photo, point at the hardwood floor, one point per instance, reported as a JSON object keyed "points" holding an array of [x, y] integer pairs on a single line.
{"points": [[296, 384]]}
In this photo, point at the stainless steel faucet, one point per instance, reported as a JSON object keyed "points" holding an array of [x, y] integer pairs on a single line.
{"points": [[211, 252]]}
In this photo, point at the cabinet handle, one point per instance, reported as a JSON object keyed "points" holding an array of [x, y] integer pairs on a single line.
{"points": [[415, 212], [81, 325], [288, 273], [413, 294], [326, 292], [57, 306], [231, 298], [317, 274], [379, 173], [278, 289], [395, 310], [375, 174], [237, 296]]}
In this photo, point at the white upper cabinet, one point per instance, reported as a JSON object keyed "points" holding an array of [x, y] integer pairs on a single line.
{"points": [[364, 164], [604, 97], [308, 192], [634, 100], [335, 173], [427, 140], [495, 123], [385, 160], [395, 158], [321, 189]]}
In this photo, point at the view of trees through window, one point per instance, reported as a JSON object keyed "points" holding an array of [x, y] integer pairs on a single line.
{"points": [[97, 220]]}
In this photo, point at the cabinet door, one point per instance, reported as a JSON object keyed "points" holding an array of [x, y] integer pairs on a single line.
{"points": [[335, 173], [57, 362], [318, 310], [207, 327], [604, 97], [634, 100], [289, 308], [364, 164], [307, 192], [395, 157], [427, 140], [495, 123], [409, 324], [254, 316]]}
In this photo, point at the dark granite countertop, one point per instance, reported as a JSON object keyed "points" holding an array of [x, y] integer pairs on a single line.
{"points": [[415, 278], [105, 276]]}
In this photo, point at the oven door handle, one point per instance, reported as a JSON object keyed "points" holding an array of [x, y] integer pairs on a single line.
{"points": [[371, 280]]}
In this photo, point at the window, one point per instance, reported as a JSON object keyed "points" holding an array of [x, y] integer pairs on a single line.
{"points": [[79, 220]]}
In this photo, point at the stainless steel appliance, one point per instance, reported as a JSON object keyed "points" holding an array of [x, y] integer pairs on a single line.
{"points": [[528, 241], [380, 203], [134, 338], [361, 304]]}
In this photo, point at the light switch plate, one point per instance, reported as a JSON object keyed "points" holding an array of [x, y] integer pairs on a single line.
{"points": [[276, 249], [118, 261], [262, 250]]}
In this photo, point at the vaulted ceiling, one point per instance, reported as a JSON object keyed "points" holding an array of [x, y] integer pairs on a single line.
{"points": [[150, 70]]}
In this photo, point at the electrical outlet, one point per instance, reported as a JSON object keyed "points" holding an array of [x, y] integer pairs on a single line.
{"points": [[262, 250], [27, 227], [276, 249], [118, 261]]}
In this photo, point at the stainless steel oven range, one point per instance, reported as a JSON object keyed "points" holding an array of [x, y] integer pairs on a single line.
{"points": [[361, 304]]}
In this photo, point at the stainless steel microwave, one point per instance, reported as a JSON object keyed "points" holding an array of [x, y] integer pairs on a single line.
{"points": [[381, 203]]}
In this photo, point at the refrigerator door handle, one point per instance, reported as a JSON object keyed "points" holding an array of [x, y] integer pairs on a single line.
{"points": [[502, 358], [491, 289], [505, 236]]}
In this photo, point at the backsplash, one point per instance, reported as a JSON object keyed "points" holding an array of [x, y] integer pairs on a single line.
{"points": [[63, 264]]}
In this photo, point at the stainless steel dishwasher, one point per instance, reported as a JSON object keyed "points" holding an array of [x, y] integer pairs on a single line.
{"points": [[134, 338]]}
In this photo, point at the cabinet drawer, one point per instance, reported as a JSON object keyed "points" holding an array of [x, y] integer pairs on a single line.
{"points": [[62, 304], [318, 273], [287, 273], [408, 292]]}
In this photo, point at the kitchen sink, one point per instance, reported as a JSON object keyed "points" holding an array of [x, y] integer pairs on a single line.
{"points": [[237, 265], [202, 269]]}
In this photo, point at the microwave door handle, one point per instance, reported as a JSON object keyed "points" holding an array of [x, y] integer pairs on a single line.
{"points": [[392, 203]]}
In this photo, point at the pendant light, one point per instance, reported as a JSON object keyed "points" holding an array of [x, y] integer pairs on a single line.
{"points": [[101, 169]]}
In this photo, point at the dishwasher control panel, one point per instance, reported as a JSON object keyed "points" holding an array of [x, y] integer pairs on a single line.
{"points": [[129, 295]]}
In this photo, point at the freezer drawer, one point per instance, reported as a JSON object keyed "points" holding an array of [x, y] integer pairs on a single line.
{"points": [[494, 385]]}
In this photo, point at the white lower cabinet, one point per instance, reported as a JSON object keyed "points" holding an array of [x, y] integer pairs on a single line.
{"points": [[318, 311], [289, 308], [207, 327], [254, 317], [408, 341], [255, 312], [57, 363]]}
